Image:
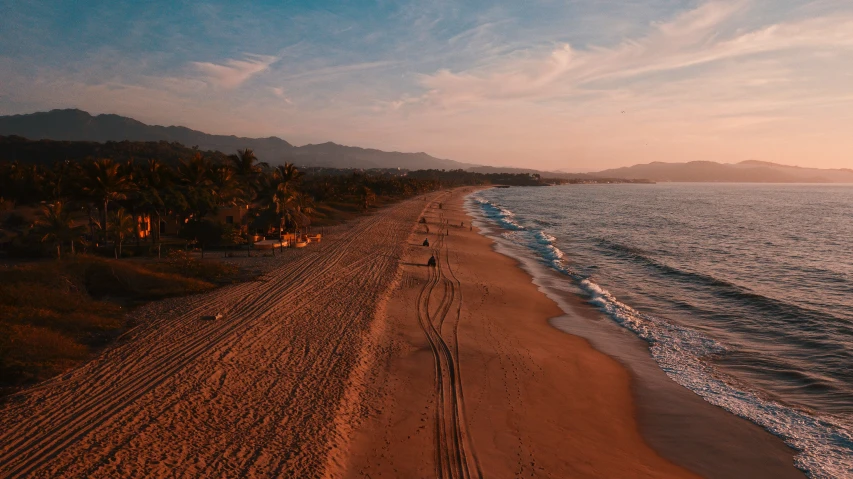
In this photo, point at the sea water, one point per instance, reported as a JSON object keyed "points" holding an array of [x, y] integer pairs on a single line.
{"points": [[743, 292]]}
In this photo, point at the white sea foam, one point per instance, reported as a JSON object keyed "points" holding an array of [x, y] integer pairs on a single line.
{"points": [[545, 237], [499, 214], [825, 446]]}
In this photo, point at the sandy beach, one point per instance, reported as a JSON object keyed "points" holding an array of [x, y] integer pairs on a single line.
{"points": [[267, 391], [513, 397], [478, 383], [355, 359]]}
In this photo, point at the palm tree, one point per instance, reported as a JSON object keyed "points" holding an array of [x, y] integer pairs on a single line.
{"points": [[56, 180], [287, 173], [303, 208], [283, 200], [103, 181], [226, 185], [194, 171], [121, 226], [248, 170], [154, 181], [195, 185], [55, 224], [245, 163]]}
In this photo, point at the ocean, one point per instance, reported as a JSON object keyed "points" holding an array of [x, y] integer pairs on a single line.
{"points": [[743, 292]]}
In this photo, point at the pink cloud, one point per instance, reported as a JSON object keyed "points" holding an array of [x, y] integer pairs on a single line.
{"points": [[233, 72]]}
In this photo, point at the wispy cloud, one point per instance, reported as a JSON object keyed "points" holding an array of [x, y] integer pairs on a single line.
{"points": [[233, 73], [570, 83], [326, 72], [690, 40], [279, 92]]}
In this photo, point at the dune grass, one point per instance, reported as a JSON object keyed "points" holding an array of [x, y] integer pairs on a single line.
{"points": [[54, 315]]}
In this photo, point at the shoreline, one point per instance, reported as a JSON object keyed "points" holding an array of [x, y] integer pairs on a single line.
{"points": [[474, 381], [404, 371], [676, 422]]}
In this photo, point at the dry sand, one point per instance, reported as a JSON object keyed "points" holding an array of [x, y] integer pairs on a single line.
{"points": [[265, 392], [351, 359]]}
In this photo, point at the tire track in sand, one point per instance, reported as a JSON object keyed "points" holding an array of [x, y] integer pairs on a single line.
{"points": [[281, 358], [455, 456]]}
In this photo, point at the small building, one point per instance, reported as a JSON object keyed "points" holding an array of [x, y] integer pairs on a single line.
{"points": [[230, 215]]}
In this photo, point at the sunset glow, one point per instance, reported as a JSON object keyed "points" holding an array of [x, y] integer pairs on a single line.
{"points": [[576, 85], [459, 239]]}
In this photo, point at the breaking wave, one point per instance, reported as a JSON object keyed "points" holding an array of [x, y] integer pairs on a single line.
{"points": [[824, 444]]}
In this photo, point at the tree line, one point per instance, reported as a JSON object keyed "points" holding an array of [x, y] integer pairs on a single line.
{"points": [[100, 203], [114, 195]]}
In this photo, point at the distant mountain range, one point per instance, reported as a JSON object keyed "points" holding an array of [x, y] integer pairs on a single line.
{"points": [[749, 171], [78, 125], [529, 171]]}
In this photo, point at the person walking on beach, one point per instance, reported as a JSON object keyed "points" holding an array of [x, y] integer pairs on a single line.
{"points": [[431, 261], [426, 242]]}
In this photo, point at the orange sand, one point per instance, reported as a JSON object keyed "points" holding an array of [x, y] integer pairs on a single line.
{"points": [[517, 398], [353, 359]]}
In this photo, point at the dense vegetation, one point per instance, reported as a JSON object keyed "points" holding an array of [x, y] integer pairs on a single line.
{"points": [[99, 204], [114, 195], [93, 198]]}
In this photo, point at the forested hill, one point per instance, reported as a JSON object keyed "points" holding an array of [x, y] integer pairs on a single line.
{"points": [[48, 152], [78, 125]]}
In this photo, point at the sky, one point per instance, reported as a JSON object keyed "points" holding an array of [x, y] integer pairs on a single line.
{"points": [[574, 85]]}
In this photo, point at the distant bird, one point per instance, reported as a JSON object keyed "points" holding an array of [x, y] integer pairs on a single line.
{"points": [[623, 111]]}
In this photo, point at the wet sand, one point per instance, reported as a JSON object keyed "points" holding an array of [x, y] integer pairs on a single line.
{"points": [[477, 382]]}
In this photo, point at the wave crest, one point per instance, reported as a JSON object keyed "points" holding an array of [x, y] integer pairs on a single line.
{"points": [[824, 445]]}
